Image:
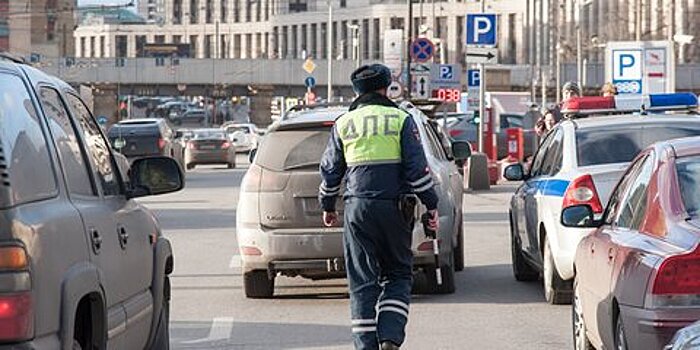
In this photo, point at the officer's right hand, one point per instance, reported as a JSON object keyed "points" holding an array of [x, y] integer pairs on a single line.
{"points": [[330, 218], [434, 222]]}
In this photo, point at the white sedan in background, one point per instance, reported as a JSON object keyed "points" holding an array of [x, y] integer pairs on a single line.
{"points": [[243, 136]]}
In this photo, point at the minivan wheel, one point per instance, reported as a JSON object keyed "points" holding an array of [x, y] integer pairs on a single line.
{"points": [[162, 335], [556, 290], [522, 271], [581, 341], [231, 165], [258, 284], [448, 278], [459, 249]]}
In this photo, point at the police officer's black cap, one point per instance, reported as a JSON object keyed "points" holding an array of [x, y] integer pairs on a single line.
{"points": [[371, 78]]}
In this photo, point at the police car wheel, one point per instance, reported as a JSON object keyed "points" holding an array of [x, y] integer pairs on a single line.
{"points": [[522, 271], [258, 284], [556, 290]]}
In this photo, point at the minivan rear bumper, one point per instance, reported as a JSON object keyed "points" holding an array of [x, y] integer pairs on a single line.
{"points": [[299, 249], [49, 342]]}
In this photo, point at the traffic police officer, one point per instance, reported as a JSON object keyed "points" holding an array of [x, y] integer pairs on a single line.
{"points": [[376, 149]]}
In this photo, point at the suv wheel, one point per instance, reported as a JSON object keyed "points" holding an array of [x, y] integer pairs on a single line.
{"points": [[459, 249], [556, 290], [190, 166], [162, 335], [258, 284], [620, 336], [522, 271]]}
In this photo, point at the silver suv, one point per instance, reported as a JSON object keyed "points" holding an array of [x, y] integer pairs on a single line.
{"points": [[279, 221], [82, 265]]}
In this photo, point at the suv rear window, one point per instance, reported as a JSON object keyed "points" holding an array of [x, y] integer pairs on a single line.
{"points": [[28, 174], [302, 149], [597, 146]]}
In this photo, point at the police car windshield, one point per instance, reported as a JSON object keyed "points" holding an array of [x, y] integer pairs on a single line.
{"points": [[606, 145]]}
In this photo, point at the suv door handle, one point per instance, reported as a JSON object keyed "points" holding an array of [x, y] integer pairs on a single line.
{"points": [[123, 236], [96, 239]]}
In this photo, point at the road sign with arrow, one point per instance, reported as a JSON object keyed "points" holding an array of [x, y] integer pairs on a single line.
{"points": [[421, 86], [487, 55]]}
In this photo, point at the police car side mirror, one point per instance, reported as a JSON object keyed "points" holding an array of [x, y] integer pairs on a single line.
{"points": [[579, 216], [461, 150], [514, 172]]}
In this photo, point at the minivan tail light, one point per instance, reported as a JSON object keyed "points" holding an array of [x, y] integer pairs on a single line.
{"points": [[456, 132], [251, 180], [16, 312], [13, 258], [161, 143], [582, 191]]}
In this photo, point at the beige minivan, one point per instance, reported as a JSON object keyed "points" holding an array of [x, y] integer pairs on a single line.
{"points": [[279, 220]]}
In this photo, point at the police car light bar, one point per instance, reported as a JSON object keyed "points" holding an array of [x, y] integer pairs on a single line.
{"points": [[630, 103]]}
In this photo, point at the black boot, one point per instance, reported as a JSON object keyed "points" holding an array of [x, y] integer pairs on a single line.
{"points": [[388, 345]]}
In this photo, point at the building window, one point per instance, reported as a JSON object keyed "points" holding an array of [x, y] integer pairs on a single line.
{"points": [[249, 45], [298, 6], [258, 40], [193, 46], [324, 40], [209, 11], [236, 11], [159, 39], [177, 39], [194, 12], [140, 44], [223, 47], [314, 43], [343, 3], [248, 10], [397, 23], [224, 11], [267, 9], [121, 45], [266, 49], [376, 42], [102, 47], [344, 40], [177, 11], [365, 39], [237, 46], [295, 37], [285, 42], [304, 42], [208, 46], [83, 46], [258, 10]]}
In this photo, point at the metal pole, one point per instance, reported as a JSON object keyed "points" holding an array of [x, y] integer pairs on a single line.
{"points": [[482, 95], [329, 31], [579, 44], [409, 36], [638, 21]]}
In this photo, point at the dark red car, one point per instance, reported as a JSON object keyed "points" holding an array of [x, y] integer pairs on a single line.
{"points": [[638, 274]]}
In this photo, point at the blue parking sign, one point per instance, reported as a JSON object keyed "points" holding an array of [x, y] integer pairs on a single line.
{"points": [[473, 78], [446, 72], [627, 71], [481, 29]]}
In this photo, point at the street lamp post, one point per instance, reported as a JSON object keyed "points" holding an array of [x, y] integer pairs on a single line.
{"points": [[579, 40], [329, 47]]}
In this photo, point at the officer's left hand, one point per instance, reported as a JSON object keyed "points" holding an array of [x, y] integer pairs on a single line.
{"points": [[330, 218]]}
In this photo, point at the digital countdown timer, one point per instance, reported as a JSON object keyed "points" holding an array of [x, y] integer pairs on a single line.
{"points": [[447, 95]]}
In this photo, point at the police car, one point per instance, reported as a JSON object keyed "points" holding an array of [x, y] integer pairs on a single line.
{"points": [[579, 162]]}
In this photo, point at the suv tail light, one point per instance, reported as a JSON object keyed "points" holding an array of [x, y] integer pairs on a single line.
{"points": [[251, 180], [677, 281], [258, 179], [582, 191], [16, 317], [16, 310], [161, 143], [191, 145]]}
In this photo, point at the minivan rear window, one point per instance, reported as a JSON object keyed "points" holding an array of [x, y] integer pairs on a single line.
{"points": [[598, 146], [302, 149], [28, 172]]}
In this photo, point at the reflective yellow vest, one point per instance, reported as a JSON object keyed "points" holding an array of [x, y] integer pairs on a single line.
{"points": [[371, 135]]}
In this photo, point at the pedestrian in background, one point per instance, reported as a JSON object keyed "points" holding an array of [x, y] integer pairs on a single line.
{"points": [[608, 89], [551, 117], [571, 89], [376, 148]]}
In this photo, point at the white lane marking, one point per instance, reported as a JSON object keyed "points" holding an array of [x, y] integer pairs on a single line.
{"points": [[221, 328], [235, 262]]}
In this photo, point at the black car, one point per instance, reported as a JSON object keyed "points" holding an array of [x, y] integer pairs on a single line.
{"points": [[137, 138]]}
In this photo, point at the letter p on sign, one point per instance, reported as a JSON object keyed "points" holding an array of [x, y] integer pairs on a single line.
{"points": [[627, 65], [481, 29]]}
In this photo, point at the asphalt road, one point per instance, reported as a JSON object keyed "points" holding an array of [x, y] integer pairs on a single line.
{"points": [[490, 310]]}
